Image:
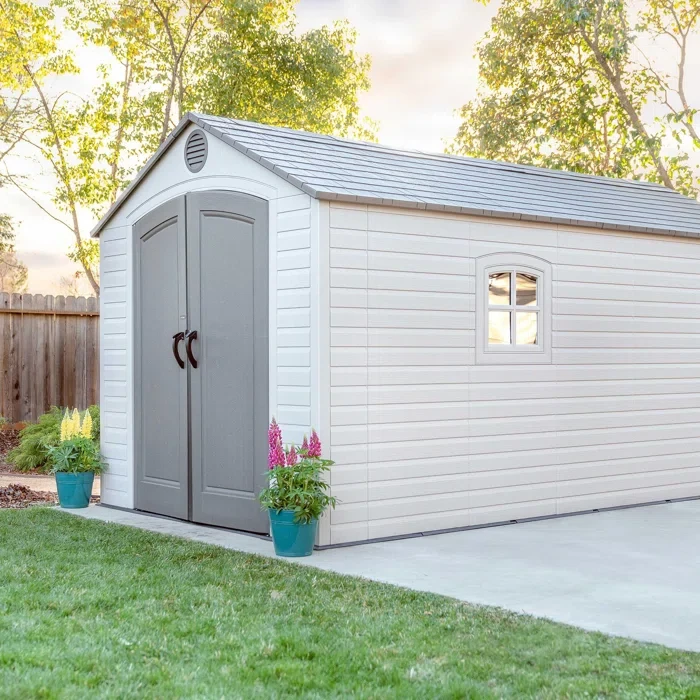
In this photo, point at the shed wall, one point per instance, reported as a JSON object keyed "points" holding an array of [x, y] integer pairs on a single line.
{"points": [[425, 439], [290, 254]]}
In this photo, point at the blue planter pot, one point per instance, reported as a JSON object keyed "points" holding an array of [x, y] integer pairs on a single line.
{"points": [[74, 490], [292, 539]]}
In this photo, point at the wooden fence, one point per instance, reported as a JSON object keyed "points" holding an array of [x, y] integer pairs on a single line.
{"points": [[49, 354]]}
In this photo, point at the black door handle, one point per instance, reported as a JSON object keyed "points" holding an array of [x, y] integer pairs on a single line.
{"points": [[176, 341], [192, 335]]}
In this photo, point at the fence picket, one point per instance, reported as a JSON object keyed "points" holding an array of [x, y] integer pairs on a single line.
{"points": [[49, 354]]}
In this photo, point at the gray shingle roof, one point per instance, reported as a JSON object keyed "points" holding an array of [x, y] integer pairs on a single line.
{"points": [[331, 168]]}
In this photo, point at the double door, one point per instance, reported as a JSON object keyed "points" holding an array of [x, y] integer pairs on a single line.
{"points": [[201, 359]]}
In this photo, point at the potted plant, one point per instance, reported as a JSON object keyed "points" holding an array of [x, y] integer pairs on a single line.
{"points": [[75, 461], [297, 494]]}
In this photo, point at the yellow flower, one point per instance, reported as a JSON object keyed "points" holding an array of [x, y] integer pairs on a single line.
{"points": [[86, 430], [76, 423], [66, 425]]}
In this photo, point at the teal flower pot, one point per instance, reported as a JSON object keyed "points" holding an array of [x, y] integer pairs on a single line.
{"points": [[292, 539], [74, 490]]}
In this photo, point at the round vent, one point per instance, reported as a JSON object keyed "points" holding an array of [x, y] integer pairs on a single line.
{"points": [[196, 151]]}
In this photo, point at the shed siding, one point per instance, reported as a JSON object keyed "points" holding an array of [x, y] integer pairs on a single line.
{"points": [[426, 439], [290, 380]]}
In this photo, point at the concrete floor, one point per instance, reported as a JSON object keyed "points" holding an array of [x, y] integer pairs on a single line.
{"points": [[632, 572]]}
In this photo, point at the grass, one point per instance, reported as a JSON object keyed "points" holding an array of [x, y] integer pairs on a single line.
{"points": [[95, 610]]}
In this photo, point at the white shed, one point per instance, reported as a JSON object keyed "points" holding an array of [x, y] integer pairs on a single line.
{"points": [[476, 342]]}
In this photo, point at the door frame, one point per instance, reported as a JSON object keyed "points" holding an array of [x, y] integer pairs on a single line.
{"points": [[153, 215]]}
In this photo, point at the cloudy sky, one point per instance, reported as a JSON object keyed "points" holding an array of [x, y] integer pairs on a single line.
{"points": [[422, 70]]}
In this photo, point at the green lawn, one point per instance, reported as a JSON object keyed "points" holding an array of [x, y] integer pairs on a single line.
{"points": [[95, 610]]}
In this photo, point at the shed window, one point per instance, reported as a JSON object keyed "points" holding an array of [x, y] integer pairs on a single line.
{"points": [[513, 309], [514, 313]]}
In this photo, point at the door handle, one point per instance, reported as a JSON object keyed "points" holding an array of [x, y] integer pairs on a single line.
{"points": [[177, 338], [192, 335]]}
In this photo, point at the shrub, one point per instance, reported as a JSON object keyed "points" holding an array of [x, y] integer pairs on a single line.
{"points": [[35, 441], [95, 415]]}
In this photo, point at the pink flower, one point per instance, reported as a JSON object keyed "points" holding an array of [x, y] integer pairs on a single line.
{"points": [[292, 458], [274, 434], [304, 446], [314, 445], [275, 455]]}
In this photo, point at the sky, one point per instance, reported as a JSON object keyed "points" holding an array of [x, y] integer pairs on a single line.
{"points": [[423, 70]]}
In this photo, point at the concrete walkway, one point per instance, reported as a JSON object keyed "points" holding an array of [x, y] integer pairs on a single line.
{"points": [[632, 572]]}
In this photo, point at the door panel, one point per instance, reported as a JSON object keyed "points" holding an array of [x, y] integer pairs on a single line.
{"points": [[160, 417], [227, 264]]}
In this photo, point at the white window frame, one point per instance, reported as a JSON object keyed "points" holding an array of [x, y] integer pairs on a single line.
{"points": [[541, 353]]}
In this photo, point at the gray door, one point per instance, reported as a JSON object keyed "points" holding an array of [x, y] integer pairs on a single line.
{"points": [[227, 263], [160, 417], [201, 409]]}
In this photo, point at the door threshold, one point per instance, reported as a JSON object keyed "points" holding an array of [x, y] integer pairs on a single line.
{"points": [[256, 535]]}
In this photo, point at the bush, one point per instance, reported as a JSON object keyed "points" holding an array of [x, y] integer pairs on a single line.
{"points": [[95, 415], [35, 441]]}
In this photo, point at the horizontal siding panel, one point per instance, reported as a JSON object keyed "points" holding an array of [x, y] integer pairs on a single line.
{"points": [[293, 376], [293, 279], [293, 220], [422, 245], [293, 240], [348, 217], [391, 222], [419, 281], [113, 310], [294, 318], [419, 262]]}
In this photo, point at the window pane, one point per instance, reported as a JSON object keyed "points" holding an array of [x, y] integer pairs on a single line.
{"points": [[526, 289], [499, 288], [499, 328], [526, 328]]}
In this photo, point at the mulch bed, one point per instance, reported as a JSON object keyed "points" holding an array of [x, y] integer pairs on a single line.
{"points": [[21, 496]]}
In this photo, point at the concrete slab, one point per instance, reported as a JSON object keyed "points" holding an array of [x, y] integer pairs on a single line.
{"points": [[632, 572]]}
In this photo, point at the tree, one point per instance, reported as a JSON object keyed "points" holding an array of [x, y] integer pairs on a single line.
{"points": [[13, 273], [238, 58], [561, 86], [57, 132]]}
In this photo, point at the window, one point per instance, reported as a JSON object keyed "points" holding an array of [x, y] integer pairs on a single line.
{"points": [[513, 309]]}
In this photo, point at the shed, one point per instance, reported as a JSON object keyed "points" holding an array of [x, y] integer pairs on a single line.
{"points": [[476, 342]]}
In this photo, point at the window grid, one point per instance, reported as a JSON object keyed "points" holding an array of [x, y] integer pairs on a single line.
{"points": [[513, 309]]}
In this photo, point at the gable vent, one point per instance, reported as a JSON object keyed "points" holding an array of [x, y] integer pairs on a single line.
{"points": [[196, 150]]}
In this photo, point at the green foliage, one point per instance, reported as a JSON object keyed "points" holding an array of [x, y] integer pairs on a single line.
{"points": [[300, 488], [78, 454], [36, 441], [561, 86], [95, 415]]}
